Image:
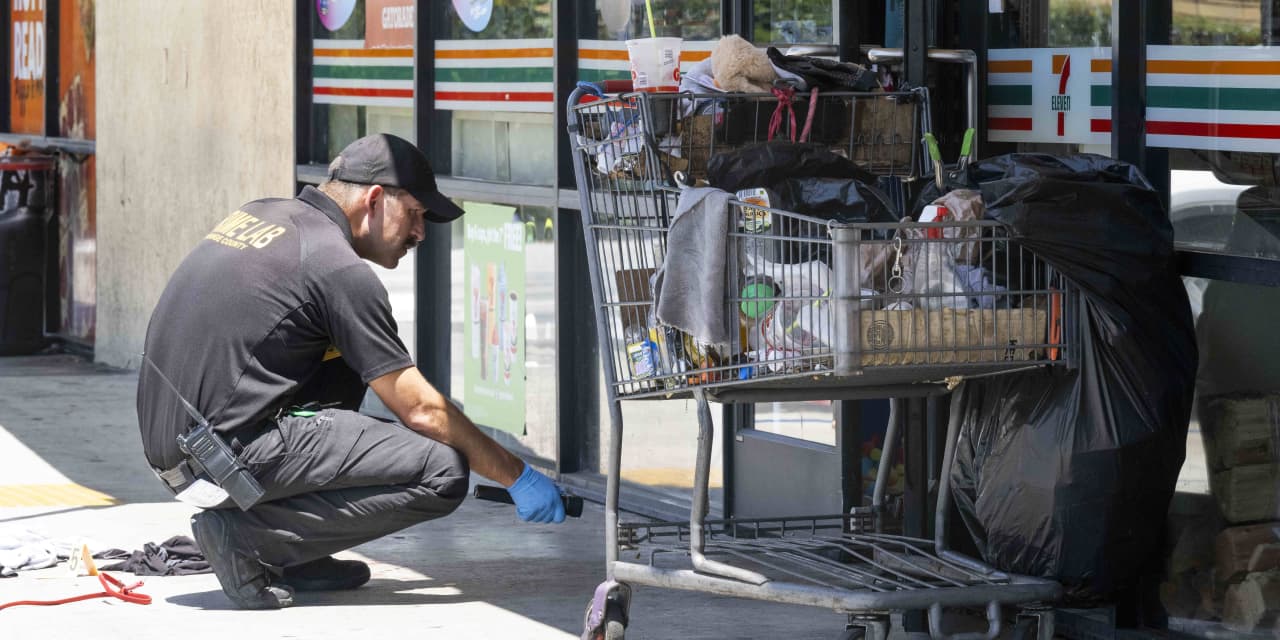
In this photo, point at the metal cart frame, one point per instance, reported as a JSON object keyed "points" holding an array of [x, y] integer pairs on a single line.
{"points": [[842, 561]]}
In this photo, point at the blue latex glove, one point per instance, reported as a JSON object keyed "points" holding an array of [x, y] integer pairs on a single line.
{"points": [[537, 498]]}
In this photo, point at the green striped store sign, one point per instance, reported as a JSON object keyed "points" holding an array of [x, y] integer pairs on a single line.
{"points": [[1214, 98], [495, 75], [345, 72], [1009, 95]]}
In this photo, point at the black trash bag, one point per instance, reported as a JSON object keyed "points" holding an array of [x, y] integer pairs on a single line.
{"points": [[826, 75], [806, 179], [1069, 474], [768, 163]]}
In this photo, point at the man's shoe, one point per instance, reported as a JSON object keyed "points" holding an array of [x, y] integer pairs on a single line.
{"points": [[243, 579], [325, 574]]}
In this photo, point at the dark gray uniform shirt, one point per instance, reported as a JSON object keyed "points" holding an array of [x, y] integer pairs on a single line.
{"points": [[249, 316]]}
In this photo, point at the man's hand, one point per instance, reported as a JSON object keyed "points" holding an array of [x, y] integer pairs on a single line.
{"points": [[537, 498]]}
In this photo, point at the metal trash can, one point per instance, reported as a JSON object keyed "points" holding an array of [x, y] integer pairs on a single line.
{"points": [[26, 251]]}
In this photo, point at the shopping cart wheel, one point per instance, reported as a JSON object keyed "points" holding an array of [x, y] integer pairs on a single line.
{"points": [[1034, 622], [612, 627], [866, 627], [1025, 629], [606, 616]]}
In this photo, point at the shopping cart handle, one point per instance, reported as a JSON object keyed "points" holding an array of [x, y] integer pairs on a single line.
{"points": [[572, 504], [615, 86]]}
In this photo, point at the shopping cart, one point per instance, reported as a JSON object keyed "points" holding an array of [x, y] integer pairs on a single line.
{"points": [[824, 310]]}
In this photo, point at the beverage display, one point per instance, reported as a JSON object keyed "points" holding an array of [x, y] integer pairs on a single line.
{"points": [[475, 311], [511, 343]]}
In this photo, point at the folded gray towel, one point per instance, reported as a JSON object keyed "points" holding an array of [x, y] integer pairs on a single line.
{"points": [[690, 287]]}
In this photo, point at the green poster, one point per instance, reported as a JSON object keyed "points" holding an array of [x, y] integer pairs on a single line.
{"points": [[493, 333]]}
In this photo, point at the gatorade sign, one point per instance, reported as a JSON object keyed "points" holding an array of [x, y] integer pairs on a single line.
{"points": [[26, 81], [388, 24]]}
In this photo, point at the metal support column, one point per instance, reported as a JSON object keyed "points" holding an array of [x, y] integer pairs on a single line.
{"points": [[432, 274], [915, 44], [1128, 81], [6, 63], [917, 520], [577, 351], [915, 52], [848, 27], [1270, 22], [52, 97], [848, 417], [302, 78], [1155, 163], [736, 17]]}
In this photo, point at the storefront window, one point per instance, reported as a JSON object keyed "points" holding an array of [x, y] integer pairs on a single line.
{"points": [[362, 72], [1049, 76], [793, 22], [494, 71], [1212, 101], [660, 436], [626, 19], [494, 66], [496, 19]]}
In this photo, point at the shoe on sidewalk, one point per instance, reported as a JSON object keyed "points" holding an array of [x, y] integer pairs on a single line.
{"points": [[325, 574], [243, 579]]}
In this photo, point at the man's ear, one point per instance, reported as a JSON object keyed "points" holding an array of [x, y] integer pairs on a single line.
{"points": [[373, 196]]}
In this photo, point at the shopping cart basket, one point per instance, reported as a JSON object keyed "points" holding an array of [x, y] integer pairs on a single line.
{"points": [[823, 309]]}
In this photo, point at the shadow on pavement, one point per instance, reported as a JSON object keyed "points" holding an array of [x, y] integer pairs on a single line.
{"points": [[80, 419]]}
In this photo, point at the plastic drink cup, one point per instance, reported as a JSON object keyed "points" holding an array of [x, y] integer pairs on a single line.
{"points": [[655, 64]]}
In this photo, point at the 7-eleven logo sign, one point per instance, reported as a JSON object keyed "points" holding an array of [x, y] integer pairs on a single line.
{"points": [[1060, 103]]}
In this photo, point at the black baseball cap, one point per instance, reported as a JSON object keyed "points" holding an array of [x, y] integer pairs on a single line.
{"points": [[392, 161]]}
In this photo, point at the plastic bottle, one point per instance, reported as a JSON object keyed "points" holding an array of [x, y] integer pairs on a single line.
{"points": [[667, 357], [642, 353], [756, 224], [759, 295]]}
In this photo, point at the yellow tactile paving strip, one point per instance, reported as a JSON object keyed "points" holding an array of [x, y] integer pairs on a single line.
{"points": [[52, 495], [666, 477]]}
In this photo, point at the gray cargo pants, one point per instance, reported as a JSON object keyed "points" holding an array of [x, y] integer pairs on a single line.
{"points": [[339, 479]]}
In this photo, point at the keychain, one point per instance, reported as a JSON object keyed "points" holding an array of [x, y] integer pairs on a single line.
{"points": [[896, 281]]}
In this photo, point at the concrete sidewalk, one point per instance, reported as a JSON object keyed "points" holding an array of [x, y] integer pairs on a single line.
{"points": [[71, 467]]}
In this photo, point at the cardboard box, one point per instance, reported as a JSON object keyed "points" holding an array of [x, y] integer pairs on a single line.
{"points": [[1247, 493], [949, 336], [1240, 429]]}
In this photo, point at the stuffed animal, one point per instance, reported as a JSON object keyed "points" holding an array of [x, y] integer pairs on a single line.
{"points": [[739, 66]]}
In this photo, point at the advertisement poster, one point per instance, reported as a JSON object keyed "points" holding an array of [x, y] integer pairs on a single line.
{"points": [[388, 24], [493, 322], [26, 77], [76, 187]]}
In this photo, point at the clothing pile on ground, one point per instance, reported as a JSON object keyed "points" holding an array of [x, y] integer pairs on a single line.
{"points": [[26, 550]]}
